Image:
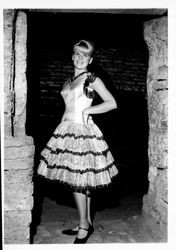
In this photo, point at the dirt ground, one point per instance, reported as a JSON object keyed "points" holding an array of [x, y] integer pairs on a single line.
{"points": [[121, 223]]}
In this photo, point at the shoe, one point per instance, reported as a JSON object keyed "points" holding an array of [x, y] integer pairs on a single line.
{"points": [[89, 230], [70, 232]]}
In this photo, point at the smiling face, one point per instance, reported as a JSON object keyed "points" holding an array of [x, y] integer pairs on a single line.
{"points": [[81, 58], [82, 54]]}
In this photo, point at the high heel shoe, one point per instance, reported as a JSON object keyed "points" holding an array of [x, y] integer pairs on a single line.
{"points": [[89, 230], [70, 232]]}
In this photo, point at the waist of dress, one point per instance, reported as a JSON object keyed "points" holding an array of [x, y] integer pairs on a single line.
{"points": [[75, 118]]}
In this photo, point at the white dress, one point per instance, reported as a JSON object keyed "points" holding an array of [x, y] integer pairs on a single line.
{"points": [[76, 155]]}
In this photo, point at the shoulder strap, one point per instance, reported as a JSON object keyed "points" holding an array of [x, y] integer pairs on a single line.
{"points": [[90, 78]]}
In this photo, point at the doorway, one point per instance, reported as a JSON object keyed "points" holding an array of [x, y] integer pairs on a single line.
{"points": [[121, 55]]}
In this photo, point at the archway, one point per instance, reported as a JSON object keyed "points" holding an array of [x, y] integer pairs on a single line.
{"points": [[148, 205]]}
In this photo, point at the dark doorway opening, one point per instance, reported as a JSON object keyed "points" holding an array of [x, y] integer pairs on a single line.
{"points": [[50, 40]]}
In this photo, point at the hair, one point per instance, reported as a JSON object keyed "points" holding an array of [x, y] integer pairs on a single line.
{"points": [[87, 46]]}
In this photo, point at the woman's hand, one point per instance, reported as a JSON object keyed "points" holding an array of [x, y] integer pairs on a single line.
{"points": [[85, 118]]}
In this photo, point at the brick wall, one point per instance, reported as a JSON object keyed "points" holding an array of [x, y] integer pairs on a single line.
{"points": [[127, 69]]}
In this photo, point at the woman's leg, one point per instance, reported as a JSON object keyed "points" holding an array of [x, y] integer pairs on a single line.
{"points": [[88, 210], [89, 207], [81, 202]]}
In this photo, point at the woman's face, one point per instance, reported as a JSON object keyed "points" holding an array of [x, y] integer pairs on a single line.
{"points": [[81, 59]]}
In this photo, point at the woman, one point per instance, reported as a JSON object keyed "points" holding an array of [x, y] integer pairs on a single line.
{"points": [[77, 154]]}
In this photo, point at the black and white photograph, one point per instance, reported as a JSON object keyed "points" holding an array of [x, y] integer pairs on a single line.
{"points": [[84, 127]]}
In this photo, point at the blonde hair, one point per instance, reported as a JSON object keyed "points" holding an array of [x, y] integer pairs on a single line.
{"points": [[86, 46]]}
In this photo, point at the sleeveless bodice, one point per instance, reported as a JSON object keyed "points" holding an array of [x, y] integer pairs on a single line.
{"points": [[77, 95]]}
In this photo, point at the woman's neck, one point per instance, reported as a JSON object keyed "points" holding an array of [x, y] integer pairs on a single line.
{"points": [[79, 71]]}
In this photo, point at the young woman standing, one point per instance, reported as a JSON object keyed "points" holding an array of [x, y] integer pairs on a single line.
{"points": [[77, 154]]}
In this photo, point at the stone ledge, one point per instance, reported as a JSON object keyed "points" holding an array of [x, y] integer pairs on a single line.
{"points": [[17, 164], [19, 190], [161, 85], [162, 72], [160, 160], [12, 203], [18, 177], [16, 220], [18, 152], [10, 141]]}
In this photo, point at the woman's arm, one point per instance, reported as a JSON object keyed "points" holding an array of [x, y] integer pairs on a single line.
{"points": [[108, 103]]}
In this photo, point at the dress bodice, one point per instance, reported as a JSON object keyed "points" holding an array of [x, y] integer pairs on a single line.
{"points": [[78, 95]]}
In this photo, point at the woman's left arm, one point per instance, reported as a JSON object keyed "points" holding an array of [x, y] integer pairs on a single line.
{"points": [[108, 103]]}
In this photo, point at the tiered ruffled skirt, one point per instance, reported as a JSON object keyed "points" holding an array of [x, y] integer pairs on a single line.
{"points": [[78, 156]]}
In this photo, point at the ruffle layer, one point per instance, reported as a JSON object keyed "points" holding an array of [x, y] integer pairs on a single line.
{"points": [[78, 157]]}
